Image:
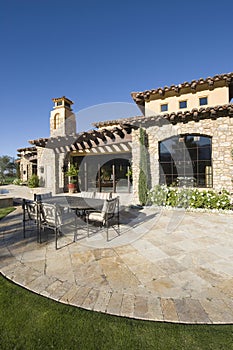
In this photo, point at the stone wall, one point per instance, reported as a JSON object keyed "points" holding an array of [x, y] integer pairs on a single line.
{"points": [[25, 169], [221, 131], [50, 172]]}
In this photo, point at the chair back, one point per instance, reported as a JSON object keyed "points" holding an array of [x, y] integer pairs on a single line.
{"points": [[40, 196], [50, 214], [31, 208], [109, 207], [86, 194], [103, 195]]}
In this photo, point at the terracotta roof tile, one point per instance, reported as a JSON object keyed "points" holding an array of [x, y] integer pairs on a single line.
{"points": [[195, 114], [141, 96], [114, 121]]}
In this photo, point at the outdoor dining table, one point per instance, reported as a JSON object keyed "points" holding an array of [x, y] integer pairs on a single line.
{"points": [[79, 204]]}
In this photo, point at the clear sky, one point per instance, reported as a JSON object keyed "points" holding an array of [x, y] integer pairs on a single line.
{"points": [[97, 52]]}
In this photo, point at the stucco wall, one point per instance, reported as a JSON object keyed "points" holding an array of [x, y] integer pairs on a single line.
{"points": [[218, 96]]}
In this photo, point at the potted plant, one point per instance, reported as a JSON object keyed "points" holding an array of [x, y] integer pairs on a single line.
{"points": [[72, 174], [105, 174], [129, 174]]}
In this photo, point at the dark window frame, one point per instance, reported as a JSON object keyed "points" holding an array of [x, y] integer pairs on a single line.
{"points": [[164, 107], [201, 103], [185, 102], [187, 157]]}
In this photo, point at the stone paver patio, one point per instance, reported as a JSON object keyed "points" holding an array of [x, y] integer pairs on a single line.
{"points": [[166, 266]]}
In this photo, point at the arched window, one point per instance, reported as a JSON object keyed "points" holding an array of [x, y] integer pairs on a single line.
{"points": [[186, 160], [57, 121]]}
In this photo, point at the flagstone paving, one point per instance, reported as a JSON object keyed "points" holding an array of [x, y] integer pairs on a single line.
{"points": [[166, 266]]}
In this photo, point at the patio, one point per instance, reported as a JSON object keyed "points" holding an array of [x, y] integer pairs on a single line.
{"points": [[166, 266]]}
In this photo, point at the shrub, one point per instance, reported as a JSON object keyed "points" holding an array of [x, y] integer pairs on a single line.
{"points": [[143, 190], [17, 182], [189, 198], [171, 197], [158, 195], [183, 197], [33, 181], [144, 177]]}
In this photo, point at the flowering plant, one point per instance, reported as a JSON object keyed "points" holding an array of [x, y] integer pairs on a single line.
{"points": [[163, 195]]}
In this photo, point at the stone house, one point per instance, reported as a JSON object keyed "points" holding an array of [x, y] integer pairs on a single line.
{"points": [[189, 131]]}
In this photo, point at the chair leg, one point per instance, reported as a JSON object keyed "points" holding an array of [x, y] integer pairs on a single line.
{"points": [[56, 234], [75, 228], [24, 218], [87, 227], [38, 228], [24, 228], [107, 229]]}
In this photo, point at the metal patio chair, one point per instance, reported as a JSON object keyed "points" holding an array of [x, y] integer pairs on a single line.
{"points": [[105, 217], [58, 219], [31, 214]]}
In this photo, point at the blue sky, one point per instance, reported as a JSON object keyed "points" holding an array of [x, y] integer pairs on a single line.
{"points": [[98, 52]]}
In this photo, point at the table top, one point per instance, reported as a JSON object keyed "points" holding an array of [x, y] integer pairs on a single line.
{"points": [[75, 202]]}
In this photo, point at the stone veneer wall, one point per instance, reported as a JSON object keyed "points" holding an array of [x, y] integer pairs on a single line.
{"points": [[221, 131], [25, 169], [50, 169]]}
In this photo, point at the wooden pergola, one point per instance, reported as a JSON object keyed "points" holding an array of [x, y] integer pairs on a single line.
{"points": [[114, 140], [87, 140]]}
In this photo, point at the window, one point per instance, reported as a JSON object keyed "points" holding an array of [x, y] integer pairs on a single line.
{"points": [[183, 104], [57, 121], [59, 103], [186, 160], [203, 101], [164, 107]]}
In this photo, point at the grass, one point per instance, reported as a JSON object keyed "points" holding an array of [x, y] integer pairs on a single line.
{"points": [[29, 321], [5, 211]]}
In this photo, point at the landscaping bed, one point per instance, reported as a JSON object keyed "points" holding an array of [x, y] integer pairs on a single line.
{"points": [[190, 199]]}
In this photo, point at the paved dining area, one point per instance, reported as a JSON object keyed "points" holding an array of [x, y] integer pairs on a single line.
{"points": [[166, 265]]}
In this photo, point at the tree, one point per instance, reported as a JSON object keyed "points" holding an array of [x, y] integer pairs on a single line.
{"points": [[7, 166], [144, 174]]}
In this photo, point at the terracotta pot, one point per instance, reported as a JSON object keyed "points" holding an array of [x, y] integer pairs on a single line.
{"points": [[71, 188]]}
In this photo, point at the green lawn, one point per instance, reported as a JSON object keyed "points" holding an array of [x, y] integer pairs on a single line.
{"points": [[29, 321], [5, 211]]}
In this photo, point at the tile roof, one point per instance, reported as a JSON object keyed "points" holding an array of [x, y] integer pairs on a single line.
{"points": [[122, 128], [141, 96], [181, 116], [186, 116], [62, 98], [112, 122]]}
